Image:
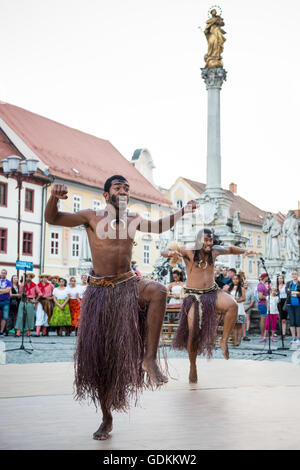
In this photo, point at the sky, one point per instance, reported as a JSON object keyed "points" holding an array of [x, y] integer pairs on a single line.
{"points": [[129, 71]]}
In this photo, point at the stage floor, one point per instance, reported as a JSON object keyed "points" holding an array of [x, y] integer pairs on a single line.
{"points": [[237, 404]]}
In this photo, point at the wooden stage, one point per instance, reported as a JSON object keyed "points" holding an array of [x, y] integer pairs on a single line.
{"points": [[237, 404]]}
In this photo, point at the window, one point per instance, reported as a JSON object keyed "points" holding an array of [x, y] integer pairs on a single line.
{"points": [[96, 204], [27, 243], [250, 236], [259, 244], [3, 240], [250, 266], [75, 245], [54, 243], [72, 271], [3, 194], [76, 203], [179, 203], [29, 200], [146, 254]]}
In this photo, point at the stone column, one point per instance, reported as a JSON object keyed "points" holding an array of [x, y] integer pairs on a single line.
{"points": [[213, 77]]}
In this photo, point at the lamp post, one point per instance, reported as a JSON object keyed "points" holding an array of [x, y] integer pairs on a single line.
{"points": [[10, 167]]}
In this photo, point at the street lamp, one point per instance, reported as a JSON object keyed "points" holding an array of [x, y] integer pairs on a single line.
{"points": [[10, 166]]}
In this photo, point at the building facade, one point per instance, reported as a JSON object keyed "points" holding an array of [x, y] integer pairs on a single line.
{"points": [[81, 161]]}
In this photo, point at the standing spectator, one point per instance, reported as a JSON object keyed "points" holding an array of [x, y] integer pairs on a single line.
{"points": [[134, 269], [83, 286], [283, 315], [61, 316], [82, 289], [74, 303], [218, 276], [293, 305], [175, 287], [238, 293], [32, 293], [54, 281], [228, 282], [44, 308], [224, 276], [262, 292], [15, 298], [248, 305], [5, 291], [273, 317]]}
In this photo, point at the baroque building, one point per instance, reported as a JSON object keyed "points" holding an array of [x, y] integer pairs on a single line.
{"points": [[81, 161]]}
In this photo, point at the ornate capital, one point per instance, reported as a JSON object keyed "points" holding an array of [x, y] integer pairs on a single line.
{"points": [[214, 76]]}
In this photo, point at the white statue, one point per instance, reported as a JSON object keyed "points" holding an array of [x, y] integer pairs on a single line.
{"points": [[272, 228], [290, 232], [266, 229], [236, 224], [275, 233]]}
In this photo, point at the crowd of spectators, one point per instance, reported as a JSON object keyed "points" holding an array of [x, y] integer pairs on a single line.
{"points": [[52, 304], [48, 304]]}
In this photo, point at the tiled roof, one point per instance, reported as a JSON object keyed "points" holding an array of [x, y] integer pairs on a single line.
{"points": [[62, 148], [248, 212], [6, 148]]}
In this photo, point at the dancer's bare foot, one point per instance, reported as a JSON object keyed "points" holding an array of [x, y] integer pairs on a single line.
{"points": [[156, 377], [103, 432], [224, 348], [193, 378]]}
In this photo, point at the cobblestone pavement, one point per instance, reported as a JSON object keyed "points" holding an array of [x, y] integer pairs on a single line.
{"points": [[55, 348]]}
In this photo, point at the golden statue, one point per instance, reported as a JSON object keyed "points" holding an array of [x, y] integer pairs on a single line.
{"points": [[215, 39]]}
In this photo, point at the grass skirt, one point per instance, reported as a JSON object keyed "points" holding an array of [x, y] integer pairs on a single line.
{"points": [[110, 346], [204, 338]]}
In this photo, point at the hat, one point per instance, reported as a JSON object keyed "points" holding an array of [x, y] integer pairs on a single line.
{"points": [[32, 275], [54, 275], [44, 275], [263, 275]]}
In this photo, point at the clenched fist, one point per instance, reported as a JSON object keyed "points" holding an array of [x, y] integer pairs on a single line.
{"points": [[191, 206], [60, 191]]}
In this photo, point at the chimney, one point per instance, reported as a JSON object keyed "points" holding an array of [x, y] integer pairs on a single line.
{"points": [[233, 188]]}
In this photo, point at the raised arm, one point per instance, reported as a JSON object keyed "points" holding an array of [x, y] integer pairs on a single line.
{"points": [[66, 219], [234, 250], [165, 223]]}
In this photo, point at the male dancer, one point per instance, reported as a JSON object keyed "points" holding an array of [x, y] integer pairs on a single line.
{"points": [[197, 330], [122, 314]]}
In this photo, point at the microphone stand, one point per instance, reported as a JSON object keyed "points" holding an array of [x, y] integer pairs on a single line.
{"points": [[268, 316], [23, 297]]}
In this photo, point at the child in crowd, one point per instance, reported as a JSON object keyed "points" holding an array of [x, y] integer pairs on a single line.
{"points": [[274, 313]]}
